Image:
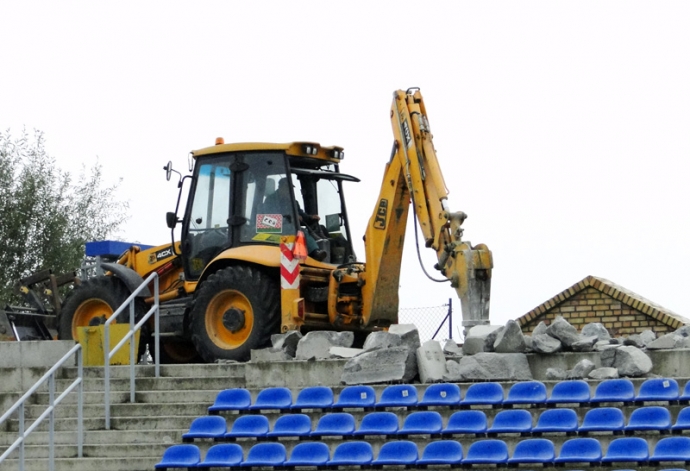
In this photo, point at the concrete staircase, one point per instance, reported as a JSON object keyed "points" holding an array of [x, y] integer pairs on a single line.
{"points": [[140, 432]]}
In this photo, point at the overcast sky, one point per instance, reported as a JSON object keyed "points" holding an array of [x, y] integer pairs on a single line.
{"points": [[562, 128]]}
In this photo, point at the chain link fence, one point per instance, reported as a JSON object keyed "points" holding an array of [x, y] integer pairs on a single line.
{"points": [[434, 322]]}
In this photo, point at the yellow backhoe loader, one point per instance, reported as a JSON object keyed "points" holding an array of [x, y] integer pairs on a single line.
{"points": [[266, 247]]}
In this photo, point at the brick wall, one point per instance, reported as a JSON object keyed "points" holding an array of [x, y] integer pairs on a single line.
{"points": [[591, 305]]}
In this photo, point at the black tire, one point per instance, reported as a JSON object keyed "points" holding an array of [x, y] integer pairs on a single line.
{"points": [[236, 310], [94, 301]]}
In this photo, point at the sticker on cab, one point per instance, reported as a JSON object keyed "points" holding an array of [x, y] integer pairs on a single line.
{"points": [[269, 223]]}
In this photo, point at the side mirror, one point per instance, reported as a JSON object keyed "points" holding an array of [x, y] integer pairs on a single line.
{"points": [[171, 220], [168, 170]]}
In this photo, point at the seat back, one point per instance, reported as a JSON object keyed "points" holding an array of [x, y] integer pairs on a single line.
{"points": [[535, 450], [649, 418], [291, 425], [249, 426], [309, 454], [566, 392], [441, 394], [398, 395], [575, 450], [557, 420], [266, 454], [429, 422], [614, 390], [338, 423], [606, 419], [356, 396], [314, 397], [178, 456], [683, 419], [207, 426], [467, 421], [512, 420], [487, 451], [224, 455], [378, 423], [528, 392], [273, 398], [232, 399], [627, 449], [442, 452], [658, 389], [353, 453], [672, 449], [399, 452], [483, 393]]}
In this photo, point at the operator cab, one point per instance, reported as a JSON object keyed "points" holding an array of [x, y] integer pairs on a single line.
{"points": [[252, 194]]}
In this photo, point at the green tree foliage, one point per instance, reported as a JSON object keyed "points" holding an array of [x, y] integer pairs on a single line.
{"points": [[46, 215]]}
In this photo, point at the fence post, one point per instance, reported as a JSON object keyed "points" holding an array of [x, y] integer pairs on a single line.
{"points": [[450, 318]]}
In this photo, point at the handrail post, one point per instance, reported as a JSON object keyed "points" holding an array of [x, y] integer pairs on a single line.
{"points": [[157, 326], [450, 318], [132, 354], [23, 437], [51, 423], [80, 405], [106, 366]]}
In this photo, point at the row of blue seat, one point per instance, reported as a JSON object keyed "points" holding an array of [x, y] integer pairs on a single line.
{"points": [[442, 452], [605, 419], [449, 394]]}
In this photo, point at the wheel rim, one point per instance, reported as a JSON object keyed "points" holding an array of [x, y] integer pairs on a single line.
{"points": [[216, 326], [87, 311]]}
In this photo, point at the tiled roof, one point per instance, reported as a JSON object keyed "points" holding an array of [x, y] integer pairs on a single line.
{"points": [[615, 291]]}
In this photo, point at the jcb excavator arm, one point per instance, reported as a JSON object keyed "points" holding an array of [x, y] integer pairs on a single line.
{"points": [[413, 175]]}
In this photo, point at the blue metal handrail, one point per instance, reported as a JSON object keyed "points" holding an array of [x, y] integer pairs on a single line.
{"points": [[108, 354], [50, 411]]}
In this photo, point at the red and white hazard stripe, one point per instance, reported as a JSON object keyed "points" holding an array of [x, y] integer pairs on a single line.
{"points": [[289, 267]]}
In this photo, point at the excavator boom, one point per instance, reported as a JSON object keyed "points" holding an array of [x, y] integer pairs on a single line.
{"points": [[413, 176]]}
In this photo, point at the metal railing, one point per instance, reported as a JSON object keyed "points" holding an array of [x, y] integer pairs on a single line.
{"points": [[108, 354], [449, 317], [50, 411]]}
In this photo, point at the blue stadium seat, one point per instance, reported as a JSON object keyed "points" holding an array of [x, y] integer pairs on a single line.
{"points": [[483, 394], [378, 423], [569, 392], [671, 449], [272, 398], [397, 453], [535, 450], [442, 394], [335, 424], [659, 389], [627, 449], [265, 454], [422, 423], [398, 395], [448, 452], [208, 426], [466, 422], [614, 390], [511, 421], [487, 452], [528, 392], [223, 455], [606, 419], [356, 397], [684, 397], [682, 421], [556, 420], [580, 450], [291, 425], [248, 426], [180, 456], [309, 454], [352, 454], [314, 397], [649, 418], [231, 399]]}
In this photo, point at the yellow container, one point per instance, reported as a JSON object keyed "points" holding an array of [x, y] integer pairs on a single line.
{"points": [[91, 340]]}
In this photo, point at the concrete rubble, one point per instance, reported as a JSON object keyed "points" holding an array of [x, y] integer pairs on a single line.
{"points": [[510, 339], [316, 345], [488, 366], [628, 360], [544, 343], [378, 340], [451, 348], [431, 362], [344, 352], [604, 373], [287, 341], [582, 369], [377, 366], [562, 330], [410, 338], [596, 329], [477, 338]]}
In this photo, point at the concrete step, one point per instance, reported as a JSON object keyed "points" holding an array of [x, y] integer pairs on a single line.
{"points": [[216, 383], [86, 464], [119, 397], [100, 437], [113, 450], [172, 371], [186, 409], [118, 423]]}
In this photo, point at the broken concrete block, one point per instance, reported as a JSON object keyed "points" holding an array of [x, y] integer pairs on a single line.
{"points": [[556, 374], [581, 369], [635, 340], [683, 331], [665, 342], [491, 367], [431, 362], [647, 336], [344, 352], [510, 339], [528, 343], [410, 338], [604, 373], [382, 339], [490, 339], [543, 343], [563, 331], [477, 338], [602, 345], [316, 345], [287, 341], [628, 360], [376, 366], [270, 354], [585, 344], [597, 329], [539, 329], [451, 348]]}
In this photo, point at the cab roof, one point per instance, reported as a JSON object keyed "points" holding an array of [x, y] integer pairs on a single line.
{"points": [[311, 150]]}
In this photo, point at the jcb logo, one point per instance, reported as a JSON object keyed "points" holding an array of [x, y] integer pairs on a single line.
{"points": [[381, 215]]}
